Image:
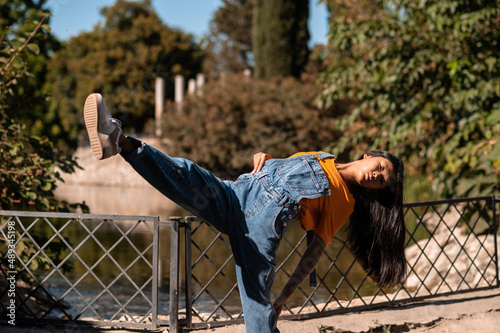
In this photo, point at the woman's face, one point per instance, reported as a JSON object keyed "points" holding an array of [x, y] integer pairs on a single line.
{"points": [[375, 172]]}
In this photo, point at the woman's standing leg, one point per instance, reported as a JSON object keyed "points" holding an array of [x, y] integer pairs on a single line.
{"points": [[255, 241]]}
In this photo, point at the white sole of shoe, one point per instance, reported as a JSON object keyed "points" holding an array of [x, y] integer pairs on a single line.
{"points": [[91, 116]]}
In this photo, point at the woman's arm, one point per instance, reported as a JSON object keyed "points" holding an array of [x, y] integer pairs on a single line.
{"points": [[306, 265], [258, 161]]}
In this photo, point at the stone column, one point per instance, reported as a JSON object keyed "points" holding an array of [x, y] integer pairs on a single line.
{"points": [[159, 104], [200, 82], [179, 91]]}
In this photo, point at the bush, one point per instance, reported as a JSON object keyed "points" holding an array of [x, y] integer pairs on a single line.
{"points": [[238, 117]]}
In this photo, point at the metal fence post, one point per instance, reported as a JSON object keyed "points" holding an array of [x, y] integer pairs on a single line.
{"points": [[155, 262], [174, 275], [496, 223], [189, 285]]}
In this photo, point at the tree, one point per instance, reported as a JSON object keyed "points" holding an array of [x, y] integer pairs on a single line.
{"points": [[351, 9], [18, 19], [229, 45], [29, 165], [121, 59], [280, 36], [424, 76]]}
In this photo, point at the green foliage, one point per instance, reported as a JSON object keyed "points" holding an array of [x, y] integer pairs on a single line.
{"points": [[425, 78], [27, 100], [238, 117], [280, 36], [121, 59], [29, 169], [29, 165]]}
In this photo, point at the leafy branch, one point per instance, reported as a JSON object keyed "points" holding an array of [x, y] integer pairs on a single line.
{"points": [[18, 52]]}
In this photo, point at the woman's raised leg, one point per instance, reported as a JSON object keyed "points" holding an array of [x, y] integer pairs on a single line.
{"points": [[181, 180]]}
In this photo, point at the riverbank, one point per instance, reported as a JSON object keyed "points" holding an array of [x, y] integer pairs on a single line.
{"points": [[112, 186], [108, 172]]}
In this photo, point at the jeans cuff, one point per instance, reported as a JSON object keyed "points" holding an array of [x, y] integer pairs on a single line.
{"points": [[138, 152]]}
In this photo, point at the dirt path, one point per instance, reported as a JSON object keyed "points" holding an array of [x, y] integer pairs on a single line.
{"points": [[470, 312]]}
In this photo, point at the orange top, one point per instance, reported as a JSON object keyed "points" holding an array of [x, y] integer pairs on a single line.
{"points": [[325, 215]]}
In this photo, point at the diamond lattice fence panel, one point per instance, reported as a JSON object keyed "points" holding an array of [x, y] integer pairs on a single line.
{"points": [[79, 267]]}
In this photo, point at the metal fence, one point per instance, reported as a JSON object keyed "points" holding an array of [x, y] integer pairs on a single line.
{"points": [[69, 266], [451, 247], [110, 270]]}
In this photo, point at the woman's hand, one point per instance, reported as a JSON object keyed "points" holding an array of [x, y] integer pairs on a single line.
{"points": [[258, 161]]}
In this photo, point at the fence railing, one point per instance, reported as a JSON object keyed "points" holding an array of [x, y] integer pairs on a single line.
{"points": [[112, 270]]}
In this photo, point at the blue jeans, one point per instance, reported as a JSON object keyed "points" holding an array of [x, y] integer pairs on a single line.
{"points": [[254, 211]]}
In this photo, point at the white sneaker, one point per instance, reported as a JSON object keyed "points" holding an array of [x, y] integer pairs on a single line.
{"points": [[104, 131]]}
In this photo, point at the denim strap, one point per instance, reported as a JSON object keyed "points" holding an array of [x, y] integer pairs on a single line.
{"points": [[323, 156]]}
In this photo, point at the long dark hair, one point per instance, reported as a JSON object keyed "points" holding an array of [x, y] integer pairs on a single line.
{"points": [[376, 232]]}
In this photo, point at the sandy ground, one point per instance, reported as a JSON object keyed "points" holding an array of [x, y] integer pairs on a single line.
{"points": [[470, 312], [477, 311]]}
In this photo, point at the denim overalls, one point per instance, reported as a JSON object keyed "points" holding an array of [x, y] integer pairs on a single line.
{"points": [[254, 211]]}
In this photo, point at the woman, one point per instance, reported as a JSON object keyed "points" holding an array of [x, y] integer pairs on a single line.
{"points": [[256, 209]]}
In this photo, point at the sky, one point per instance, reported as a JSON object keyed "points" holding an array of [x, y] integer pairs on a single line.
{"points": [[71, 17]]}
